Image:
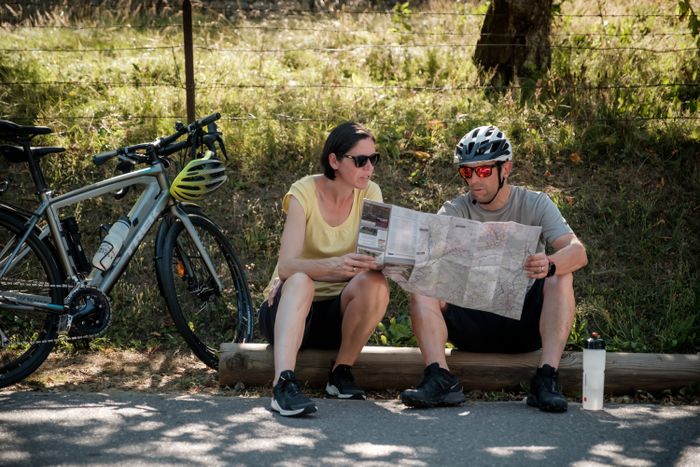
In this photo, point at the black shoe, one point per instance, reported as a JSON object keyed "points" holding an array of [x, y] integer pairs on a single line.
{"points": [[545, 392], [287, 398], [341, 384], [439, 387]]}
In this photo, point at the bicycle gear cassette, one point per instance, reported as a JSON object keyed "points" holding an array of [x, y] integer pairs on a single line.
{"points": [[90, 310]]}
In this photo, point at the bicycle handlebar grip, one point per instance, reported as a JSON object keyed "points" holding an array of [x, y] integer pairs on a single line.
{"points": [[101, 158], [208, 119]]}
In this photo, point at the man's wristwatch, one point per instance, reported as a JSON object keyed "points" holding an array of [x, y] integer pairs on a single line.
{"points": [[552, 269]]}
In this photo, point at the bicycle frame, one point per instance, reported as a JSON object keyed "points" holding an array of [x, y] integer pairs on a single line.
{"points": [[150, 205]]}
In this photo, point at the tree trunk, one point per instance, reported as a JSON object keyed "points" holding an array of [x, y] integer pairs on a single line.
{"points": [[514, 40]]}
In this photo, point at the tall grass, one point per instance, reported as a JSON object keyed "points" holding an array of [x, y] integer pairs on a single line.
{"points": [[611, 133]]}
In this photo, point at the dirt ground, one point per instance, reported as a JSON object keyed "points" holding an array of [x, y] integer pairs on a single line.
{"points": [[122, 370], [158, 371]]}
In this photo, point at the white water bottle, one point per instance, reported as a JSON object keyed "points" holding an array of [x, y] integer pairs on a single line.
{"points": [[111, 244], [593, 372]]}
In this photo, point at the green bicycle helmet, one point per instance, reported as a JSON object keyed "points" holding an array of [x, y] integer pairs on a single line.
{"points": [[198, 178]]}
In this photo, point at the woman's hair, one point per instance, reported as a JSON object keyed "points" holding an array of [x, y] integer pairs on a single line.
{"points": [[340, 140]]}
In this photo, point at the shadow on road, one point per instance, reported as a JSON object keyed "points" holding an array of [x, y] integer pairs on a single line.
{"points": [[39, 428]]}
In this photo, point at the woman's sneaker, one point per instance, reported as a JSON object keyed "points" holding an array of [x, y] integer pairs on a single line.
{"points": [[287, 398], [341, 384], [439, 387]]}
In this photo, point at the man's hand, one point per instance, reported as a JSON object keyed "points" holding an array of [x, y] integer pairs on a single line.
{"points": [[536, 266]]}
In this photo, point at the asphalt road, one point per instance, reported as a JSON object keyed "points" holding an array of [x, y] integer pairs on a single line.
{"points": [[42, 428]]}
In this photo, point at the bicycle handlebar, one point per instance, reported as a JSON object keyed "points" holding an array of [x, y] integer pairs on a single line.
{"points": [[161, 146], [196, 125], [103, 157]]}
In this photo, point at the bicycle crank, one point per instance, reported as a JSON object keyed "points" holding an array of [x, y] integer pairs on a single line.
{"points": [[90, 312]]}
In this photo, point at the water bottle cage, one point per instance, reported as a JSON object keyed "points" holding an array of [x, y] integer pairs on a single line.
{"points": [[71, 233]]}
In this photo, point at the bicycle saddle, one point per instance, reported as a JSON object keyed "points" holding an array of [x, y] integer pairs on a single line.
{"points": [[11, 130], [17, 154]]}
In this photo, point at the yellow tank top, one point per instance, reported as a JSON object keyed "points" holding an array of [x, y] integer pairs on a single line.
{"points": [[322, 240]]}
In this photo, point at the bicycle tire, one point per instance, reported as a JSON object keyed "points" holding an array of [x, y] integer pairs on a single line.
{"points": [[37, 273], [204, 317]]}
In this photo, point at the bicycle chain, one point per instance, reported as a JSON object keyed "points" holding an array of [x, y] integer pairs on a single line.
{"points": [[65, 338], [35, 284], [60, 337]]}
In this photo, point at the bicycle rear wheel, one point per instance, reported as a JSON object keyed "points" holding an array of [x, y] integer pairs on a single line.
{"points": [[32, 275], [206, 317]]}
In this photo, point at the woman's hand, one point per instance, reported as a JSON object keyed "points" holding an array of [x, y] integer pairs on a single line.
{"points": [[352, 264], [276, 284], [334, 269]]}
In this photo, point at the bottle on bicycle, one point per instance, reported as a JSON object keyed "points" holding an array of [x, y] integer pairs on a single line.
{"points": [[111, 244]]}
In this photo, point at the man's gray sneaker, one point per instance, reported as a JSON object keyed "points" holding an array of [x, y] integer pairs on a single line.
{"points": [[439, 387], [341, 384], [287, 398], [545, 392]]}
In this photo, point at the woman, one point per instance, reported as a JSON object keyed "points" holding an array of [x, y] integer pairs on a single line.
{"points": [[323, 294]]}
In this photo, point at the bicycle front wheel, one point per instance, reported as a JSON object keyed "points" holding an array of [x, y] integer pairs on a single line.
{"points": [[26, 335], [205, 315]]}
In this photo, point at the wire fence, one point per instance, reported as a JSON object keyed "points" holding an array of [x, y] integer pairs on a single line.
{"points": [[259, 84], [271, 8], [287, 28], [290, 119], [341, 49]]}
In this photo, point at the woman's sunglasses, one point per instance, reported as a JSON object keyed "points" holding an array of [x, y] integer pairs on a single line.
{"points": [[361, 161], [481, 171]]}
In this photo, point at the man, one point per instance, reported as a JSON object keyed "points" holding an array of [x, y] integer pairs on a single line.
{"points": [[483, 159]]}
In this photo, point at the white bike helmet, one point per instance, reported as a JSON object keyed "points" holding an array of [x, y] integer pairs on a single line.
{"points": [[485, 143], [198, 178]]}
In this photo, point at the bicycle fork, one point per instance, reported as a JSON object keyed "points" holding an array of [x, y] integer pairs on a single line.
{"points": [[179, 213]]}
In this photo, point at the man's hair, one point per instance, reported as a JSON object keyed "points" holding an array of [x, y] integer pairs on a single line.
{"points": [[340, 140]]}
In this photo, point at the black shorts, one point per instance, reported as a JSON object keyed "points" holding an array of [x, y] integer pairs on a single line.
{"points": [[323, 323], [480, 331]]}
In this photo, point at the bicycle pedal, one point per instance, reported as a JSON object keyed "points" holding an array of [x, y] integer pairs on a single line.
{"points": [[64, 324]]}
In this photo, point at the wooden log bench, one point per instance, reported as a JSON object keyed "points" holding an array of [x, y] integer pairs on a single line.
{"points": [[385, 368]]}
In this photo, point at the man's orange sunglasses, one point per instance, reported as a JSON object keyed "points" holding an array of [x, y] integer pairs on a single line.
{"points": [[481, 171]]}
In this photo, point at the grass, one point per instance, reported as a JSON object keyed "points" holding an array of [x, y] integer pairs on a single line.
{"points": [[610, 132]]}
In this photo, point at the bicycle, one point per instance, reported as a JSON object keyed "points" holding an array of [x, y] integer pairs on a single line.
{"points": [[50, 291]]}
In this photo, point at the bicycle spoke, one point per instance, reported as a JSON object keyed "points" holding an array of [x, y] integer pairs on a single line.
{"points": [[31, 279], [205, 316]]}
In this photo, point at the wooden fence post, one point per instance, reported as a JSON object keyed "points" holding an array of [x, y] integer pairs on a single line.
{"points": [[189, 61]]}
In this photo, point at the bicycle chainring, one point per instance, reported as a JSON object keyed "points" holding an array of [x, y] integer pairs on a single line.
{"points": [[91, 312]]}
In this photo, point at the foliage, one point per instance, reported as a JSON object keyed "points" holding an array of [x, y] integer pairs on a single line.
{"points": [[401, 16], [686, 11], [611, 133], [396, 332]]}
